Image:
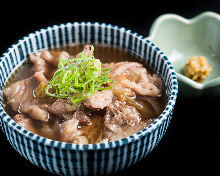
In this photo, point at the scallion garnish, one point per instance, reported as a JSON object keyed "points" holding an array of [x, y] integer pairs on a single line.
{"points": [[78, 78]]}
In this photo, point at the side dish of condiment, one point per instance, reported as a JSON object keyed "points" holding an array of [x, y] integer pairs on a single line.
{"points": [[182, 38], [197, 68]]}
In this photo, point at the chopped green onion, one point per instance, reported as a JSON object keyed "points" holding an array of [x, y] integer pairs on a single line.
{"points": [[78, 78]]}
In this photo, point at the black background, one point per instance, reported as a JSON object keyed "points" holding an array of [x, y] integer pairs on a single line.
{"points": [[191, 144]]}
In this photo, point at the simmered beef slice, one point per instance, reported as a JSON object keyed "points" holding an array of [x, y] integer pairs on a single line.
{"points": [[45, 60], [82, 114], [141, 82], [99, 100], [134, 76], [80, 140], [61, 106], [64, 55], [127, 131], [47, 56], [121, 114], [40, 64], [25, 121], [21, 97], [119, 68], [35, 112], [118, 118], [86, 49], [22, 91], [64, 107], [69, 132]]}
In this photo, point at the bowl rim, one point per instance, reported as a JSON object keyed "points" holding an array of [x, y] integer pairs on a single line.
{"points": [[155, 27], [168, 110]]}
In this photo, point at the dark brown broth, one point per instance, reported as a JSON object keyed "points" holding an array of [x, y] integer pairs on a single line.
{"points": [[106, 55]]}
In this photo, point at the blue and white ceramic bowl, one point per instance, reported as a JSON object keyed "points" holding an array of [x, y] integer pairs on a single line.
{"points": [[93, 159]]}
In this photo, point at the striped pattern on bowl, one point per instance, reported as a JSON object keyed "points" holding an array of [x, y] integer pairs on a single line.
{"points": [[93, 159]]}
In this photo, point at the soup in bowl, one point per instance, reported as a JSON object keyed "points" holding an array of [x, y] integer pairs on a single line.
{"points": [[85, 98]]}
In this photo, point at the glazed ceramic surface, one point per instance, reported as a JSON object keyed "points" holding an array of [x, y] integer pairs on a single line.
{"points": [[93, 159], [181, 39]]}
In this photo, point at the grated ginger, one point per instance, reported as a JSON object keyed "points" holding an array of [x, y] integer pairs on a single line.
{"points": [[197, 68]]}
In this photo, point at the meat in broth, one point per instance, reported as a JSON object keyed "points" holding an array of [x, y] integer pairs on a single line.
{"points": [[110, 100]]}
